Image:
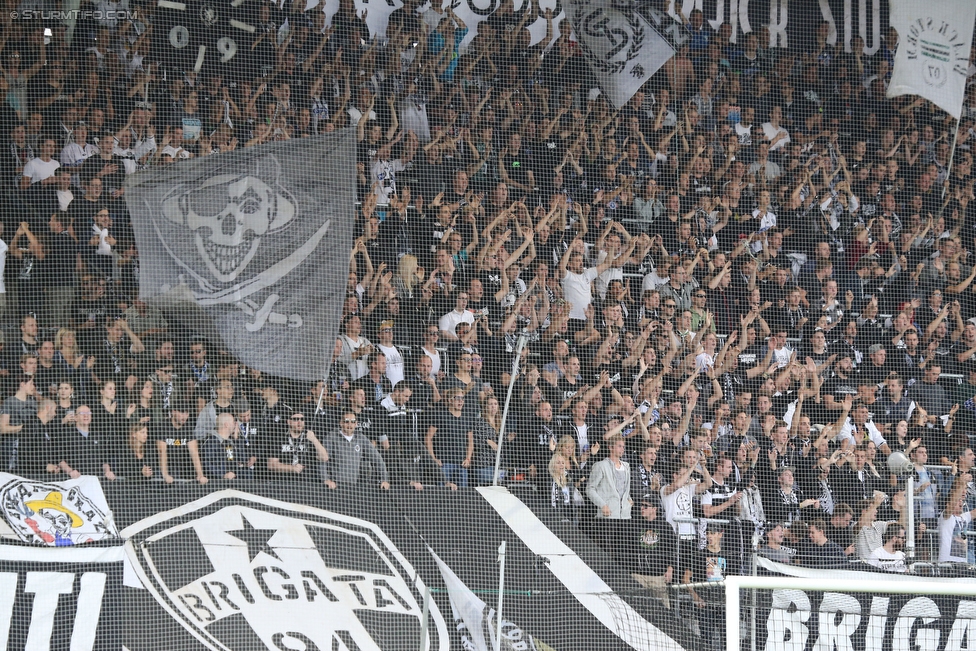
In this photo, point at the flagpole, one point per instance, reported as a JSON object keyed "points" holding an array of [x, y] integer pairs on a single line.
{"points": [[511, 385], [423, 621], [952, 156], [501, 594]]}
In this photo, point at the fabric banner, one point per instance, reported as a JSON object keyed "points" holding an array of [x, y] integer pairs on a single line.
{"points": [[57, 514], [61, 599], [292, 566], [620, 46], [934, 40], [251, 248], [805, 620], [476, 621]]}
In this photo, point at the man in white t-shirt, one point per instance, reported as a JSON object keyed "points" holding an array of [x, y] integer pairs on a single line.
{"points": [[41, 169], [394, 358], [383, 173], [889, 556], [460, 314], [173, 150], [773, 132], [678, 498], [953, 543], [576, 279], [612, 247], [75, 153], [859, 427]]}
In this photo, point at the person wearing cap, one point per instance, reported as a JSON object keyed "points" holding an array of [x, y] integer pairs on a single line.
{"points": [[294, 454]]}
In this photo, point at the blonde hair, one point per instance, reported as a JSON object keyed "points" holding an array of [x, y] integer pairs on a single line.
{"points": [[567, 441], [564, 479], [406, 270], [59, 339]]}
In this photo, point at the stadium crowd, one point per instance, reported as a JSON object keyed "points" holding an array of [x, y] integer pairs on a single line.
{"points": [[738, 293]]}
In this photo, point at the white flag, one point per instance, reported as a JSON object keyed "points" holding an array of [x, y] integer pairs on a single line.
{"points": [[934, 37], [621, 48], [54, 513], [476, 622]]}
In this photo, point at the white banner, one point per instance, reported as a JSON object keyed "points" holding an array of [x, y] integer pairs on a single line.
{"points": [[620, 47], [934, 38], [57, 514]]}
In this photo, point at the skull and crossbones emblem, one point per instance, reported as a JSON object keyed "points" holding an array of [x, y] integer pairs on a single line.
{"points": [[229, 214]]}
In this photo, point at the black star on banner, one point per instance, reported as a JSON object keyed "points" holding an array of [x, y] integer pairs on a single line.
{"points": [[256, 539]]}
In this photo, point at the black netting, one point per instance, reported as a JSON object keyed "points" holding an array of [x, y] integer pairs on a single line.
{"points": [[283, 284]]}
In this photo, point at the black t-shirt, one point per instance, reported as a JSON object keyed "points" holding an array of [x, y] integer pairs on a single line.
{"points": [[59, 264], [451, 438], [713, 566], [37, 446], [291, 450], [518, 166], [85, 453], [840, 387], [179, 463], [126, 464]]}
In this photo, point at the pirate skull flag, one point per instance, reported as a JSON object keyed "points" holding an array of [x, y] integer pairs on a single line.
{"points": [[250, 248]]}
